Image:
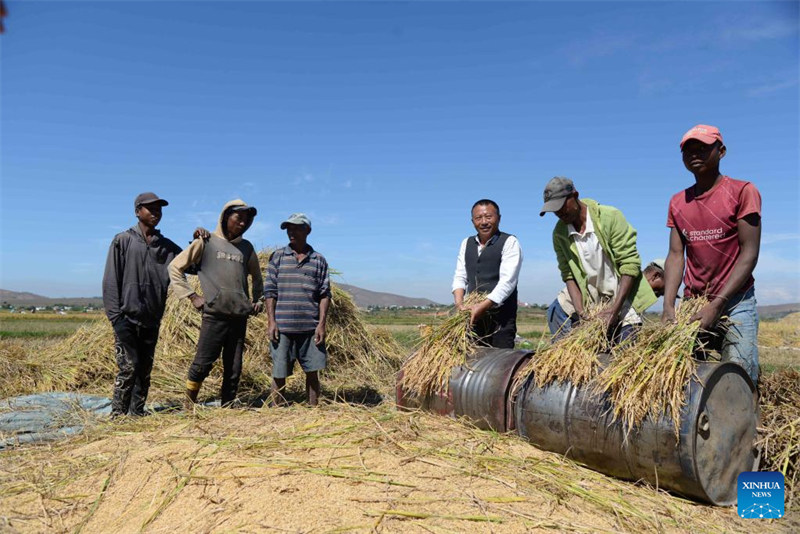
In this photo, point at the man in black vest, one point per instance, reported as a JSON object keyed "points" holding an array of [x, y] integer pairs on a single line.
{"points": [[489, 262]]}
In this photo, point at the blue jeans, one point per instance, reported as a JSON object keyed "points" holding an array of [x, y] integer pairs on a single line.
{"points": [[558, 321], [560, 324], [740, 341]]}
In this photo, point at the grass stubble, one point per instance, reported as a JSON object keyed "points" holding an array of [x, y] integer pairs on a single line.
{"points": [[387, 471]]}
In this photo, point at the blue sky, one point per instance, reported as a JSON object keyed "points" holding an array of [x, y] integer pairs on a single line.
{"points": [[384, 122]]}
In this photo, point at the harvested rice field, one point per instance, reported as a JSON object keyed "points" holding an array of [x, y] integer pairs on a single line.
{"points": [[336, 468], [353, 464]]}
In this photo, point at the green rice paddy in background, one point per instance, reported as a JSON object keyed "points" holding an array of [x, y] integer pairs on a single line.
{"points": [[43, 325]]}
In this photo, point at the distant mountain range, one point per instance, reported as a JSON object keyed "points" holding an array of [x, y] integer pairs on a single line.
{"points": [[364, 298], [16, 298], [776, 311]]}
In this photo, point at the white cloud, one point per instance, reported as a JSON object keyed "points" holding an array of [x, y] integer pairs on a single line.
{"points": [[258, 231], [419, 259], [426, 247], [304, 178], [597, 46], [725, 33], [85, 267], [326, 220], [769, 88], [755, 30], [770, 238], [770, 263], [200, 218], [767, 294]]}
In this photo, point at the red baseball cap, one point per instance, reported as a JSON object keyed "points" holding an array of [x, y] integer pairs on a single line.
{"points": [[703, 133]]}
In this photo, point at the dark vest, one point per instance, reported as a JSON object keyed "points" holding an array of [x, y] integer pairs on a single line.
{"points": [[483, 271], [223, 276]]}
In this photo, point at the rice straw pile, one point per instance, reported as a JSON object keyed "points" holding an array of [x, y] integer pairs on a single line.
{"points": [[443, 347], [780, 432], [649, 376], [19, 373], [85, 361], [570, 358]]}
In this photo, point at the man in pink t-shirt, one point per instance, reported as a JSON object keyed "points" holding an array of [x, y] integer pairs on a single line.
{"points": [[717, 224]]}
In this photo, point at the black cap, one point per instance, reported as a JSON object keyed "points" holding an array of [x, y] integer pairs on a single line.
{"points": [[250, 209], [149, 198]]}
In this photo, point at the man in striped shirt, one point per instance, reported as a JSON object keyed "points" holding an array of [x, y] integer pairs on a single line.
{"points": [[298, 292]]}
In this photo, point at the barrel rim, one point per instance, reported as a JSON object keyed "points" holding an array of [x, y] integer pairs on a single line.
{"points": [[711, 372]]}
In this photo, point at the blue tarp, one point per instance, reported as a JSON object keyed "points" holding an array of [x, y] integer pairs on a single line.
{"points": [[48, 416]]}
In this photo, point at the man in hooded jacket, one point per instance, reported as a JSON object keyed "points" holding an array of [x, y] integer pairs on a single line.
{"points": [[223, 263]]}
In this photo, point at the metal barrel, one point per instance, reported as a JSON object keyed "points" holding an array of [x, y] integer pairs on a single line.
{"points": [[479, 390], [716, 443], [441, 402]]}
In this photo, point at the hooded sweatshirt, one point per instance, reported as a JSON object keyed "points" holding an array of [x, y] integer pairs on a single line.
{"points": [[222, 265], [135, 281]]}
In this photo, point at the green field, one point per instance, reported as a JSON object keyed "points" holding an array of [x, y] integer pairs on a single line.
{"points": [[779, 340], [43, 325]]}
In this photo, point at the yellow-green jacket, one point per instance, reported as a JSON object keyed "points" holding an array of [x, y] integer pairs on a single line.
{"points": [[618, 240]]}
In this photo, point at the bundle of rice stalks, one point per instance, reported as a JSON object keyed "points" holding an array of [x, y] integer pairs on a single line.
{"points": [[441, 348], [85, 361], [780, 434], [649, 377], [572, 357]]}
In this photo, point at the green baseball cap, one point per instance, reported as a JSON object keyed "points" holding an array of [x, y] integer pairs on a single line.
{"points": [[296, 218]]}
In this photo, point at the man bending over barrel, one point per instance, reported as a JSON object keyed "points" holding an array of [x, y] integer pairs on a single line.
{"points": [[598, 259], [561, 310]]}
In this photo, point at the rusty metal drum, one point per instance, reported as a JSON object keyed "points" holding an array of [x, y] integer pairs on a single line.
{"points": [[716, 443], [479, 391], [441, 402]]}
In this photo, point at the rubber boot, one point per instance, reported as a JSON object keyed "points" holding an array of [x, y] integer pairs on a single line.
{"points": [[190, 399]]}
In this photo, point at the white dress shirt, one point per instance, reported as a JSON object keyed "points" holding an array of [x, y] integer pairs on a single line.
{"points": [[602, 282], [510, 263]]}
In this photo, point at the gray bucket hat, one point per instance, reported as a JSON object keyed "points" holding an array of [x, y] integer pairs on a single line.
{"points": [[555, 194], [297, 218]]}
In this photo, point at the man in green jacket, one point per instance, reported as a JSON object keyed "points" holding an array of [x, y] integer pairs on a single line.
{"points": [[598, 259]]}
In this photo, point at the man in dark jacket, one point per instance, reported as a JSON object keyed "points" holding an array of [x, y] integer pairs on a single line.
{"points": [[134, 296], [489, 262]]}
